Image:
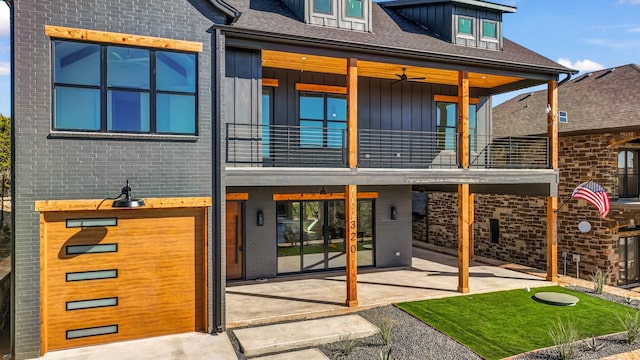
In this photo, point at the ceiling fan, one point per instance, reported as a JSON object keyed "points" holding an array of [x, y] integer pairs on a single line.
{"points": [[403, 77]]}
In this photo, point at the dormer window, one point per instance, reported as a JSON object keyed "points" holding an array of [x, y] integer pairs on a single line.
{"points": [[354, 8], [323, 6], [465, 26], [489, 30]]}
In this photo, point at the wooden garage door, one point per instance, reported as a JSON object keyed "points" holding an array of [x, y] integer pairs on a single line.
{"points": [[121, 274]]}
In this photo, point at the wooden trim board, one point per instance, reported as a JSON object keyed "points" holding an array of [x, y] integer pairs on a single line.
{"points": [[321, 88], [327, 196], [61, 32], [270, 82], [237, 196], [454, 99], [101, 204]]}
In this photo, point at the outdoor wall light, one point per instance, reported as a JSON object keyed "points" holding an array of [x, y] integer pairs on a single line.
{"points": [[394, 213], [260, 218], [127, 201]]}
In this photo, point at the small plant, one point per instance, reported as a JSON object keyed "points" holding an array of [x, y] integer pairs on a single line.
{"points": [[385, 355], [599, 278], [346, 345], [593, 344], [385, 325], [631, 324], [565, 336]]}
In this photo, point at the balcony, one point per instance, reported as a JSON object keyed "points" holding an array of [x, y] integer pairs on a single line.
{"points": [[295, 146], [626, 186]]}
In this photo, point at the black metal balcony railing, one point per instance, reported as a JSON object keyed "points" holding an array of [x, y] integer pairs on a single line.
{"points": [[406, 149], [527, 152], [285, 146], [295, 146], [627, 186]]}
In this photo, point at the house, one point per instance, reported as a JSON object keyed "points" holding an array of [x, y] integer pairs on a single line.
{"points": [[598, 140], [258, 139]]}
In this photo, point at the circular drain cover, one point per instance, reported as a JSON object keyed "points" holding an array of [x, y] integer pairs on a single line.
{"points": [[554, 298]]}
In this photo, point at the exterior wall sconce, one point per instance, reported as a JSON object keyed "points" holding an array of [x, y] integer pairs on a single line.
{"points": [[394, 213], [127, 201], [260, 218]]}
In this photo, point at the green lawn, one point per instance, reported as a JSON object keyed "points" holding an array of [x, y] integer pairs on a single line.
{"points": [[506, 323]]}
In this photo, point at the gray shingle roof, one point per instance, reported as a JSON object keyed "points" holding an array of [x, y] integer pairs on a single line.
{"points": [[599, 101], [391, 32]]}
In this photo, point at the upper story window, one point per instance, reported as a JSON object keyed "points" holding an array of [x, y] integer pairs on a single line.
{"points": [[562, 117], [465, 26], [354, 8], [447, 126], [489, 30], [323, 120], [123, 89], [323, 6]]}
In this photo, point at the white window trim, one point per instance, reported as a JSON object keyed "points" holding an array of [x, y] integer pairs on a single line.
{"points": [[486, 38], [473, 27]]}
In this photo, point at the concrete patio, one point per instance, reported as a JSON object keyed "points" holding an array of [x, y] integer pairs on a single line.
{"points": [[432, 275]]}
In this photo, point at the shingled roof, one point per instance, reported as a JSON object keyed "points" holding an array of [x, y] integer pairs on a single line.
{"points": [[392, 32], [599, 101]]}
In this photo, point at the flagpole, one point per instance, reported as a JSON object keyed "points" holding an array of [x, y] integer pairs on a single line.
{"points": [[565, 202]]}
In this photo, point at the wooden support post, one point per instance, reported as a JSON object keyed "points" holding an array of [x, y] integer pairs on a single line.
{"points": [[352, 112], [463, 238], [552, 201], [552, 238], [463, 119], [351, 243], [471, 223], [464, 210], [552, 122]]}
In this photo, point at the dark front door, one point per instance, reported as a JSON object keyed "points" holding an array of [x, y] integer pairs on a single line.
{"points": [[234, 240]]}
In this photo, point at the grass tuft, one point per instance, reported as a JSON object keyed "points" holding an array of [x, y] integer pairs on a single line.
{"points": [[564, 336], [631, 324]]}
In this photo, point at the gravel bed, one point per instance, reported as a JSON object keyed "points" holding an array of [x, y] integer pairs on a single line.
{"points": [[411, 339]]}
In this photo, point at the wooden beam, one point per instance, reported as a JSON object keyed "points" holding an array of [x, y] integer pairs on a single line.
{"points": [[552, 201], [463, 118], [471, 224], [104, 204], [321, 88], [463, 238], [552, 122], [453, 99], [61, 32], [352, 112], [237, 196], [351, 244], [552, 238], [316, 196], [270, 82]]}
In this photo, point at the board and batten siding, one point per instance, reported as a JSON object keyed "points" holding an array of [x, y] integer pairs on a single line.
{"points": [[382, 104]]}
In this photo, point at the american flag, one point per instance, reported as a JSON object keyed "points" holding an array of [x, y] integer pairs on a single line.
{"points": [[594, 194]]}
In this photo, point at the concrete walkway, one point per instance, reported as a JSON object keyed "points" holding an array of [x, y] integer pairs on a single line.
{"points": [[189, 346], [432, 275], [268, 339]]}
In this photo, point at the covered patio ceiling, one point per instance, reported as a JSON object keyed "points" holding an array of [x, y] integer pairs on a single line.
{"points": [[333, 65]]}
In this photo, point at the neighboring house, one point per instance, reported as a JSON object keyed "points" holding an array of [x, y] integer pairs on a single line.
{"points": [[265, 137], [599, 115]]}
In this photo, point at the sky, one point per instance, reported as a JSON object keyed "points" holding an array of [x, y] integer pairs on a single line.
{"points": [[586, 35]]}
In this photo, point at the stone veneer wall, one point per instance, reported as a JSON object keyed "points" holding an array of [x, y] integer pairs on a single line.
{"points": [[523, 218]]}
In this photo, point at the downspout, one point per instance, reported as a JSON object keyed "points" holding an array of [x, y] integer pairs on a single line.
{"points": [[218, 191], [565, 79], [12, 326]]}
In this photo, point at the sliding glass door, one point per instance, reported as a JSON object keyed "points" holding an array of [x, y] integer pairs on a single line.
{"points": [[311, 235]]}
